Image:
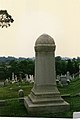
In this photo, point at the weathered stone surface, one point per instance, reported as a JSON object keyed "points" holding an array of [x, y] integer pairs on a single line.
{"points": [[21, 93], [44, 96]]}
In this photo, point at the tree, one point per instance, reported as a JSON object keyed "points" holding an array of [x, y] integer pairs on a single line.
{"points": [[70, 67]]}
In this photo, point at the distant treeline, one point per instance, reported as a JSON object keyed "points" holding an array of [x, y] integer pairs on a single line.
{"points": [[10, 58], [67, 64], [27, 66]]}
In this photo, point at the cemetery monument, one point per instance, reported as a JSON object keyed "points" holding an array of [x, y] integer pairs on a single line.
{"points": [[44, 96]]}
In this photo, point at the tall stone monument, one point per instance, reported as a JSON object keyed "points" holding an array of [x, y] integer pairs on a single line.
{"points": [[44, 96]]}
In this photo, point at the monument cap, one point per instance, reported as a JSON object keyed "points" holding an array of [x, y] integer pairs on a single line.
{"points": [[45, 43]]}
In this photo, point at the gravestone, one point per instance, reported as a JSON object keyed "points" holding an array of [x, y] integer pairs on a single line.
{"points": [[16, 78], [6, 82], [44, 96], [1, 84], [68, 75], [21, 93], [13, 77], [20, 78], [58, 80], [31, 79], [63, 80], [26, 77]]}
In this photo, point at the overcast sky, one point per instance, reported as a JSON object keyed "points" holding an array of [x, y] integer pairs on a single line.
{"points": [[58, 18]]}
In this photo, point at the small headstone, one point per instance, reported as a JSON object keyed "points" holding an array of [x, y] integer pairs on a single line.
{"points": [[27, 79], [16, 78], [6, 82], [13, 77], [21, 93], [68, 75], [20, 77], [63, 80], [31, 79], [58, 80], [1, 84]]}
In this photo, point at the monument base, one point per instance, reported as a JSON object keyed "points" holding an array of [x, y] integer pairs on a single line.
{"points": [[45, 102], [45, 108]]}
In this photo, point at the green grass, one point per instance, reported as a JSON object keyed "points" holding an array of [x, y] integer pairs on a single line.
{"points": [[7, 93], [15, 108], [73, 88]]}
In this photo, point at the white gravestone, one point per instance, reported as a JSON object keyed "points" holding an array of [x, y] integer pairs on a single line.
{"points": [[27, 79], [13, 77], [68, 77], [32, 79], [16, 78]]}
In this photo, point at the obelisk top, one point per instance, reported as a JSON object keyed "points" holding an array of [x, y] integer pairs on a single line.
{"points": [[45, 43], [44, 39]]}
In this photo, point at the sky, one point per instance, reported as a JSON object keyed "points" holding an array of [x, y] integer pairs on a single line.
{"points": [[58, 18]]}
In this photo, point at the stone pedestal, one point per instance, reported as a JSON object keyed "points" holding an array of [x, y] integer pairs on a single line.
{"points": [[44, 96]]}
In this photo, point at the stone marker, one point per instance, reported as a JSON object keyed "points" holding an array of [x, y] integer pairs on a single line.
{"points": [[31, 79], [44, 96], [26, 77], [58, 80], [21, 93], [2, 84], [20, 77], [63, 80], [13, 77], [16, 78], [68, 75], [6, 82]]}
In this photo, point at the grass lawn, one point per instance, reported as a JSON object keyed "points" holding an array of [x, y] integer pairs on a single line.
{"points": [[73, 88], [11, 91], [15, 108]]}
